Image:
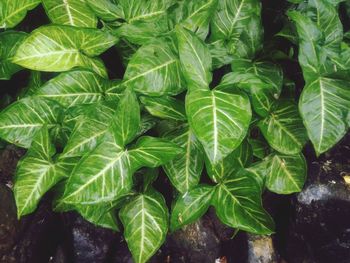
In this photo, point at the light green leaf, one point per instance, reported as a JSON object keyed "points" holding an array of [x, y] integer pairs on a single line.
{"points": [[145, 221], [22, 119], [324, 106], [195, 59], [37, 172], [219, 54], [286, 173], [165, 107], [103, 175], [12, 12], [105, 9], [238, 204], [283, 129], [60, 48], [185, 170], [74, 87], [190, 206], [10, 40], [70, 12], [219, 120], [195, 15], [126, 122], [153, 152], [155, 70]]}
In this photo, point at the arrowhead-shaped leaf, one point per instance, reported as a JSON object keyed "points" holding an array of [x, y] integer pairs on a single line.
{"points": [[10, 41], [60, 48], [238, 204], [37, 172], [145, 221], [185, 170], [12, 12], [190, 206], [286, 173], [324, 106], [73, 13], [284, 129], [219, 120], [21, 120], [155, 70], [74, 87], [195, 59]]}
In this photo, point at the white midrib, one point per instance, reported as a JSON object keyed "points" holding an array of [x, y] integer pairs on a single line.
{"points": [[215, 128], [188, 155], [70, 17], [322, 116], [142, 229]]}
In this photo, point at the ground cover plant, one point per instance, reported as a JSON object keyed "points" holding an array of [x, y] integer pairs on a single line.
{"points": [[203, 100]]}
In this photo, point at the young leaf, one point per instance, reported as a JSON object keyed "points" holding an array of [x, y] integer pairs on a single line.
{"points": [[185, 170], [195, 59], [10, 40], [195, 15], [37, 173], [73, 13], [165, 107], [60, 48], [219, 120], [190, 206], [284, 129], [324, 106], [74, 87], [145, 221], [286, 173], [126, 122], [21, 120], [12, 12], [154, 70], [238, 204], [153, 152]]}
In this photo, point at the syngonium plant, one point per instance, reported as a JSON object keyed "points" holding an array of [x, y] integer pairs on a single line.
{"points": [[88, 137]]}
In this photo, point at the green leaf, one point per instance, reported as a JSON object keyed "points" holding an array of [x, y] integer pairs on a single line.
{"points": [[185, 170], [195, 15], [237, 22], [12, 12], [153, 152], [126, 122], [238, 204], [145, 221], [165, 107], [10, 40], [283, 129], [324, 106], [21, 120], [286, 173], [195, 59], [219, 120], [154, 70], [190, 206], [219, 54], [236, 160], [74, 87], [103, 175], [37, 173], [135, 10], [105, 9], [60, 48], [73, 13]]}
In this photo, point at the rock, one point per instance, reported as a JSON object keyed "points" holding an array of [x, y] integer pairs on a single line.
{"points": [[88, 243], [9, 157], [319, 229], [196, 242], [261, 249]]}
